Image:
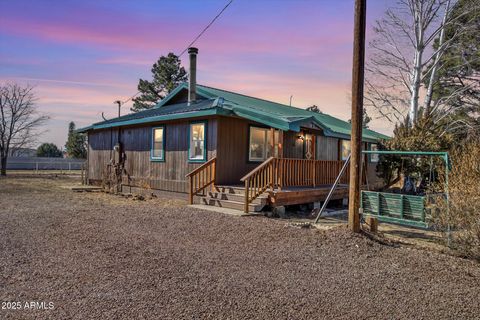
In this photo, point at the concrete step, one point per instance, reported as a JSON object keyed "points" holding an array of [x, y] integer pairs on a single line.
{"points": [[262, 199], [230, 204]]}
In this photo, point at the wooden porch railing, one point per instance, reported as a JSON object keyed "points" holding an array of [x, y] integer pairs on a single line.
{"points": [[276, 173], [260, 179], [201, 178]]}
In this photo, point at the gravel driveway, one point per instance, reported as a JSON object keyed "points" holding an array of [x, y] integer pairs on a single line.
{"points": [[96, 255]]}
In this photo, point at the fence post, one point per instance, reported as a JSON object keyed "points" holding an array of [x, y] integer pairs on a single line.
{"points": [[36, 167], [83, 177], [69, 166]]}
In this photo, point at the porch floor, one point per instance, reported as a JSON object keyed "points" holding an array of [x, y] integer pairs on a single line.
{"points": [[305, 194], [310, 188], [299, 194]]}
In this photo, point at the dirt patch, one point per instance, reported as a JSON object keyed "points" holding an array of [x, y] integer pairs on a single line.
{"points": [[96, 255]]}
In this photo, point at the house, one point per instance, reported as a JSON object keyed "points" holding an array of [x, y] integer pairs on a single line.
{"points": [[22, 153], [223, 148]]}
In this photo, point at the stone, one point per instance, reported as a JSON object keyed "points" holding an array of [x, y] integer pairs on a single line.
{"points": [[280, 211]]}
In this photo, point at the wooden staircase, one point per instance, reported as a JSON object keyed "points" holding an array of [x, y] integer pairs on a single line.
{"points": [[274, 174], [232, 197]]}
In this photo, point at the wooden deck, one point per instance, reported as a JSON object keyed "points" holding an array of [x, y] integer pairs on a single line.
{"points": [[282, 181], [274, 198], [301, 195]]}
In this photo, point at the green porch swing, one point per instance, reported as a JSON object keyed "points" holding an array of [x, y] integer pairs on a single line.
{"points": [[404, 209]]}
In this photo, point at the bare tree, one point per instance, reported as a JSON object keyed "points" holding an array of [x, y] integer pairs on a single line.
{"points": [[18, 120], [402, 56]]}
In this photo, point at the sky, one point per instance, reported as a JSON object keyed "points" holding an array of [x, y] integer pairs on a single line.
{"points": [[82, 55]]}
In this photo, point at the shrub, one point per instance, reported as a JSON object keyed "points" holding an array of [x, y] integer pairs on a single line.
{"points": [[424, 136], [464, 205]]}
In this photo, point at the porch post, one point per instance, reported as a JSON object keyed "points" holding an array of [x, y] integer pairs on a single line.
{"points": [[190, 198], [314, 162], [272, 132], [280, 143], [280, 163]]}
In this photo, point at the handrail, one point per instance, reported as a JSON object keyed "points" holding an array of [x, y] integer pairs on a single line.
{"points": [[202, 177], [276, 173], [201, 167], [260, 179], [264, 163]]}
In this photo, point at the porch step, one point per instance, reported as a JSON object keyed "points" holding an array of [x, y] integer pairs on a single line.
{"points": [[262, 199], [239, 190], [231, 204]]}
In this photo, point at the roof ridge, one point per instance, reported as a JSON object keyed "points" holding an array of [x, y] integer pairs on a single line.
{"points": [[245, 95], [284, 105]]}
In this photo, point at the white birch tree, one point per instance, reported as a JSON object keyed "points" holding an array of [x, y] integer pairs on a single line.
{"points": [[401, 57]]}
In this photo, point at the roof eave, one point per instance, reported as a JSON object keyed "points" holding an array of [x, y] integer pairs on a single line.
{"points": [[193, 114], [84, 129]]}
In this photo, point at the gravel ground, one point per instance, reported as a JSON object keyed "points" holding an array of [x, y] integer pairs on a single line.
{"points": [[100, 256]]}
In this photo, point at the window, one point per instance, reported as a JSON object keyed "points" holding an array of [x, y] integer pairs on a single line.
{"points": [[197, 151], [374, 156], [345, 149], [261, 145], [157, 152]]}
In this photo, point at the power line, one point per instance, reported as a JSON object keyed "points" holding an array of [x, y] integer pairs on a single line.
{"points": [[205, 29], [194, 40]]}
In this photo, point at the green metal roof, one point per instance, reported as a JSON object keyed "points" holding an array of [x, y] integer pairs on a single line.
{"points": [[218, 101]]}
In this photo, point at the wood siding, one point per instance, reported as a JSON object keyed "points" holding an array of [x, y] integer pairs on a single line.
{"points": [[143, 172], [327, 148], [292, 146], [227, 139], [100, 151], [232, 150]]}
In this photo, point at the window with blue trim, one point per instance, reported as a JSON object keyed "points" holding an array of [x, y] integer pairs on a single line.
{"points": [[157, 152], [197, 150]]}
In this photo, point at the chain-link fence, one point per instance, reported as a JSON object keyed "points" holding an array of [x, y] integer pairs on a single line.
{"points": [[38, 164]]}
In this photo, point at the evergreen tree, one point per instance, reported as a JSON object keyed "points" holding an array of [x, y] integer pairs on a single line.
{"points": [[314, 108], [457, 81], [167, 75], [366, 119], [49, 150], [76, 143]]}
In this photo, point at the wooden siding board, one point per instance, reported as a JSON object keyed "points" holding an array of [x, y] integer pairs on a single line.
{"points": [[168, 175], [327, 148], [293, 147], [232, 150]]}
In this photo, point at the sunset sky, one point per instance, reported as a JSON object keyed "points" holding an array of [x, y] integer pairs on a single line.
{"points": [[83, 55]]}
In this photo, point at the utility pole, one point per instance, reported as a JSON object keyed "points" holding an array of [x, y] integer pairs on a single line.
{"points": [[357, 114], [119, 106]]}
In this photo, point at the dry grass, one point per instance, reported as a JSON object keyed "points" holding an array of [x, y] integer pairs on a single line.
{"points": [[103, 256], [463, 214]]}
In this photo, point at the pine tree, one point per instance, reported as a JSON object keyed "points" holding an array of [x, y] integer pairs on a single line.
{"points": [[76, 142], [459, 66], [49, 150], [365, 121], [167, 75]]}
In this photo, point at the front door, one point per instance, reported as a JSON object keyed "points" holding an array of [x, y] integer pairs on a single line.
{"points": [[309, 146]]}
